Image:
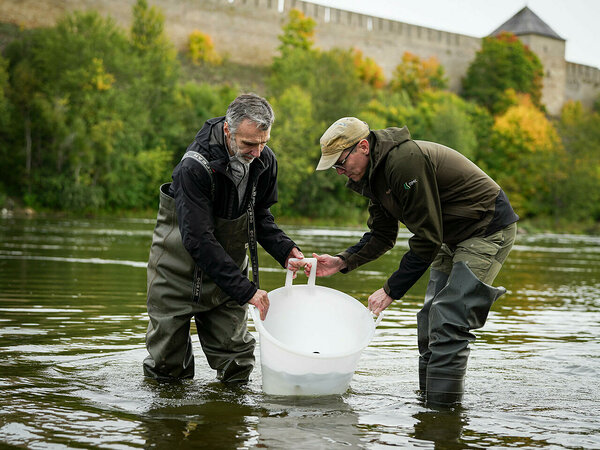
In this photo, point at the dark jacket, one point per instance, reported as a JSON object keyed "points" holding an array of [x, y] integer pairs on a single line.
{"points": [[196, 208], [439, 194]]}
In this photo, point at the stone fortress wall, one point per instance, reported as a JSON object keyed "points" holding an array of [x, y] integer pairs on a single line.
{"points": [[247, 30]]}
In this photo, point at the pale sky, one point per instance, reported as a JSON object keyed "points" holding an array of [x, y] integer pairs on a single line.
{"points": [[576, 21]]}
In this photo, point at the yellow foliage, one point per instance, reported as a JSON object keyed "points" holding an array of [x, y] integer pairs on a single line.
{"points": [[368, 70], [414, 75], [527, 119], [101, 80], [202, 49]]}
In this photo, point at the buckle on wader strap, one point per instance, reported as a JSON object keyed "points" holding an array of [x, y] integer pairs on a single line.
{"points": [[252, 238], [197, 287]]}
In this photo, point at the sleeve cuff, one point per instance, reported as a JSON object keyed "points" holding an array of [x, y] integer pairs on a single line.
{"points": [[386, 289], [242, 300], [344, 257]]}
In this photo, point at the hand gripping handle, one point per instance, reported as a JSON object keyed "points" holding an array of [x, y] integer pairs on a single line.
{"points": [[313, 271]]}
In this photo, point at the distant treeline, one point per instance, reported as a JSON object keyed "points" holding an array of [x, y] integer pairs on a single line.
{"points": [[93, 118]]}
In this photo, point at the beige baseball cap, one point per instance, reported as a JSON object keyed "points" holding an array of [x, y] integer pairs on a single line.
{"points": [[343, 134]]}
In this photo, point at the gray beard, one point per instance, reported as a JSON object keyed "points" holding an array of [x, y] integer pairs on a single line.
{"points": [[238, 156]]}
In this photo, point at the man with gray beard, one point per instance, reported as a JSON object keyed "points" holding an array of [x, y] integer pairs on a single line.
{"points": [[216, 207]]}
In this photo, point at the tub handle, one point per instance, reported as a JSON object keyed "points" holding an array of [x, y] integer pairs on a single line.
{"points": [[289, 276], [378, 318]]}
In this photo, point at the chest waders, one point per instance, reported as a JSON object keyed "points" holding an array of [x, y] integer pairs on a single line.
{"points": [[458, 299], [453, 306], [178, 291]]}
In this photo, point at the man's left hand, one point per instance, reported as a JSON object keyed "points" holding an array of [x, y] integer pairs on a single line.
{"points": [[378, 301], [295, 253]]}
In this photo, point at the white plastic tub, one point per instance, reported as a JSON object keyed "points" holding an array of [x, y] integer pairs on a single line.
{"points": [[312, 338]]}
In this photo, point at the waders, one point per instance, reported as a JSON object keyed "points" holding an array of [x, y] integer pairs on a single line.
{"points": [[453, 305], [178, 291]]}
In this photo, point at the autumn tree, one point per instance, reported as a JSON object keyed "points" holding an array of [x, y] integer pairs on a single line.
{"points": [[329, 77], [298, 32], [527, 159], [503, 65], [415, 75], [202, 49], [368, 70]]}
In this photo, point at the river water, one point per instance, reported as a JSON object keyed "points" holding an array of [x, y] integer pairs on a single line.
{"points": [[73, 320]]}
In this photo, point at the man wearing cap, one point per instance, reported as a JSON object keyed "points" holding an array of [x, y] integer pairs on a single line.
{"points": [[463, 227]]}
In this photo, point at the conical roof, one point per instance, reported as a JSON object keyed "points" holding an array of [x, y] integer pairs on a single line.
{"points": [[527, 22]]}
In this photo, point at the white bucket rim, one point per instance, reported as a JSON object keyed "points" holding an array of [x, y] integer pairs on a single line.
{"points": [[264, 332]]}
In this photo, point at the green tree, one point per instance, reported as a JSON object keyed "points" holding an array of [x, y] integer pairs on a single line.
{"points": [[327, 86], [503, 63], [5, 128], [330, 78], [293, 138], [449, 121], [91, 112], [4, 104], [157, 75], [438, 116], [579, 193], [333, 96], [61, 81], [298, 33], [195, 104]]}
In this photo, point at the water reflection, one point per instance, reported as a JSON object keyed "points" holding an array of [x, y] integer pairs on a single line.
{"points": [[180, 415], [323, 422], [442, 428]]}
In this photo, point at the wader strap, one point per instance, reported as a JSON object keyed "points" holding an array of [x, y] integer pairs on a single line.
{"points": [[202, 160], [252, 238]]}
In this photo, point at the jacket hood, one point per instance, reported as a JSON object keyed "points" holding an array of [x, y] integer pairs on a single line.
{"points": [[380, 144], [384, 141]]}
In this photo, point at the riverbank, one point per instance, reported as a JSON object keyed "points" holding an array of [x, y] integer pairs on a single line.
{"points": [[10, 208]]}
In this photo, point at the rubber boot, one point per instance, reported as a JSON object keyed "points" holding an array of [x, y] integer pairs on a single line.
{"points": [[437, 281], [462, 305]]}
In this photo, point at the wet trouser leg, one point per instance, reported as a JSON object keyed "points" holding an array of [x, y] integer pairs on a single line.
{"points": [[437, 280], [454, 307], [169, 346], [226, 341]]}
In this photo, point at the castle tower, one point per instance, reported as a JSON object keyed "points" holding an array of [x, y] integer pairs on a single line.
{"points": [[549, 47]]}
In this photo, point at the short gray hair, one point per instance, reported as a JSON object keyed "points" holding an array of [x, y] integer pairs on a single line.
{"points": [[251, 107]]}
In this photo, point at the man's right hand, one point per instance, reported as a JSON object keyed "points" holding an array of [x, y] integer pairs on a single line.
{"points": [[326, 265], [261, 301]]}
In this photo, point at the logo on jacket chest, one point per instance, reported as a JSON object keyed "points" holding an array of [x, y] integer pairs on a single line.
{"points": [[410, 184]]}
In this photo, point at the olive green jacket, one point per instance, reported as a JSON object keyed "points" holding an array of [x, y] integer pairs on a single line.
{"points": [[436, 192]]}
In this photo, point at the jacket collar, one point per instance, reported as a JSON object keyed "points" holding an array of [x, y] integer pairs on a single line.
{"points": [[381, 142]]}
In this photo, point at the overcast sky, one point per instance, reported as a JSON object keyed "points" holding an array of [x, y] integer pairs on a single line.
{"points": [[576, 21]]}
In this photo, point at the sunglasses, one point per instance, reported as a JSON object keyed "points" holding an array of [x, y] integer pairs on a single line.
{"points": [[340, 165]]}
